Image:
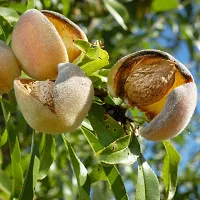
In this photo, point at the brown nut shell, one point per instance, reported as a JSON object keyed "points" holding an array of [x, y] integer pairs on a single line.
{"points": [[55, 107], [38, 46], [9, 68], [157, 84], [68, 31], [145, 79]]}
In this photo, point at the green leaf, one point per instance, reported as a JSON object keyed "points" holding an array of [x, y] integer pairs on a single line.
{"points": [[117, 145], [15, 152], [15, 159], [92, 139], [66, 7], [92, 58], [164, 5], [3, 137], [118, 152], [115, 182], [118, 11], [83, 45], [30, 4], [47, 154], [5, 28], [105, 127], [47, 3], [147, 187], [170, 169], [91, 66], [97, 174], [79, 59], [18, 7], [6, 113], [80, 172], [31, 174], [110, 172], [5, 182], [91, 51], [10, 103], [9, 14]]}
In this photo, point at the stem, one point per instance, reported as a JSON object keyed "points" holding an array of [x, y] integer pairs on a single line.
{"points": [[5, 113]]}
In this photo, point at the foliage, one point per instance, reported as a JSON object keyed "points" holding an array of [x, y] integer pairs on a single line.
{"points": [[104, 158]]}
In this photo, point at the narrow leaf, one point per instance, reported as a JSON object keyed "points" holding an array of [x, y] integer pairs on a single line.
{"points": [[47, 154], [115, 182], [15, 159], [164, 5], [15, 152], [5, 28], [30, 4], [91, 66], [31, 174], [80, 172], [5, 182], [118, 152], [9, 14], [18, 7], [117, 145], [97, 174], [118, 11], [3, 137], [92, 139], [110, 173], [66, 7], [83, 45], [106, 128], [170, 169], [147, 187], [92, 59], [47, 3]]}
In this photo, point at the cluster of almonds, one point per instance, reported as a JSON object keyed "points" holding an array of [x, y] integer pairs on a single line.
{"points": [[60, 96]]}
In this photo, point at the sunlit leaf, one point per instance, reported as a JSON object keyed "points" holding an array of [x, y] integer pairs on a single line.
{"points": [[79, 59], [164, 5], [5, 182], [115, 182], [147, 183], [47, 154], [28, 188], [18, 7], [3, 137], [9, 14], [118, 11], [66, 7], [92, 66], [170, 169], [47, 3], [83, 45], [93, 57], [80, 172], [30, 4]]}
